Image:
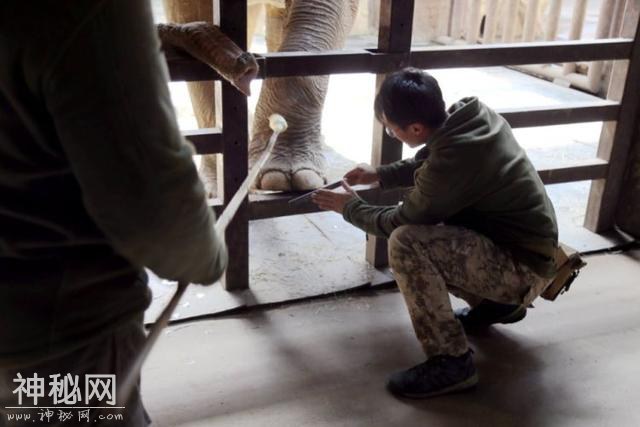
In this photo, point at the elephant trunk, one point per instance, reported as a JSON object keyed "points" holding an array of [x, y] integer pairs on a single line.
{"points": [[318, 25], [208, 44]]}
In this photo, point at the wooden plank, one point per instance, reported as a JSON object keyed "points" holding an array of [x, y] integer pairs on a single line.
{"points": [[205, 140], [520, 53], [615, 140], [586, 170], [283, 64], [263, 206], [394, 38], [396, 26], [233, 15], [557, 115]]}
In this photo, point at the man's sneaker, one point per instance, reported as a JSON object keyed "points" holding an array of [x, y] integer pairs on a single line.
{"points": [[438, 375], [487, 313]]}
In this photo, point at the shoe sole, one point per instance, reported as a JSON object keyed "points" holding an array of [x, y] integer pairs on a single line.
{"points": [[465, 385], [513, 317]]}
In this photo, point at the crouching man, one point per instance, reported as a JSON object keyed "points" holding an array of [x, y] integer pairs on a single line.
{"points": [[477, 223]]}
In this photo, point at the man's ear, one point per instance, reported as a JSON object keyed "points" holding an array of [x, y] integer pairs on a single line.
{"points": [[418, 129]]}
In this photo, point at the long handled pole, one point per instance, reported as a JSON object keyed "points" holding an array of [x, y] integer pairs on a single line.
{"points": [[278, 125]]}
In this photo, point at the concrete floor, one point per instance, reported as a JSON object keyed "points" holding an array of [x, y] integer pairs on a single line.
{"points": [[573, 362]]}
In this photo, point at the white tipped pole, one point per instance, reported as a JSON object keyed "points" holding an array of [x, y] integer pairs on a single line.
{"points": [[278, 124]]}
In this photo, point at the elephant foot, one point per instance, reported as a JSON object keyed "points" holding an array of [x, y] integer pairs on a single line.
{"points": [[275, 181], [301, 180], [306, 179], [208, 175]]}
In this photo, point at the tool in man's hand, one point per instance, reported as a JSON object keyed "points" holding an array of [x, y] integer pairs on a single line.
{"points": [[307, 196], [278, 124]]}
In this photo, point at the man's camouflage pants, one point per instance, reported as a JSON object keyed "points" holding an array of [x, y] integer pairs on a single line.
{"points": [[431, 261]]}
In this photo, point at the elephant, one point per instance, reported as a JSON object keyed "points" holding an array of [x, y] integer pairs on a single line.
{"points": [[207, 43], [297, 162]]}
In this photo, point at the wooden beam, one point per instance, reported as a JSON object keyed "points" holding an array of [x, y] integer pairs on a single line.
{"points": [[586, 170], [520, 53], [205, 140], [209, 140], [558, 115], [616, 139], [378, 61], [263, 206], [233, 16], [394, 43]]}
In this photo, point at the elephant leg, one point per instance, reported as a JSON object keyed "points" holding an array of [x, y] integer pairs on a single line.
{"points": [[275, 18], [201, 93], [253, 15], [297, 161]]}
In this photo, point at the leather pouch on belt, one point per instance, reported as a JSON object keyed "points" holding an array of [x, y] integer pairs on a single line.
{"points": [[568, 263]]}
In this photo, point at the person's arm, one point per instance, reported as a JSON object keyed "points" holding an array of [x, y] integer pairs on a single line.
{"points": [[401, 173], [107, 93], [437, 195]]}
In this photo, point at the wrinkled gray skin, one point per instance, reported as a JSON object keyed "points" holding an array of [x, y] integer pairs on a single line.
{"points": [[297, 162]]}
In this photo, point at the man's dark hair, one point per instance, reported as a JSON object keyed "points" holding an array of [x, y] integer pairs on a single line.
{"points": [[411, 96]]}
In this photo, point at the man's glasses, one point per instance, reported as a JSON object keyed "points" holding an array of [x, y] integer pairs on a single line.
{"points": [[390, 132]]}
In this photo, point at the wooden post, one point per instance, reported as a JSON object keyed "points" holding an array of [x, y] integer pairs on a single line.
{"points": [[616, 137], [577, 23], [396, 18], [530, 19], [605, 22], [491, 22], [553, 17], [509, 21], [473, 22], [233, 19], [458, 11]]}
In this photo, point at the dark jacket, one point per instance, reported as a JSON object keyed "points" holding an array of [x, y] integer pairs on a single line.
{"points": [[95, 179], [477, 176]]}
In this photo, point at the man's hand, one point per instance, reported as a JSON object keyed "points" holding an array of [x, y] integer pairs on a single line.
{"points": [[362, 174], [334, 200]]}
